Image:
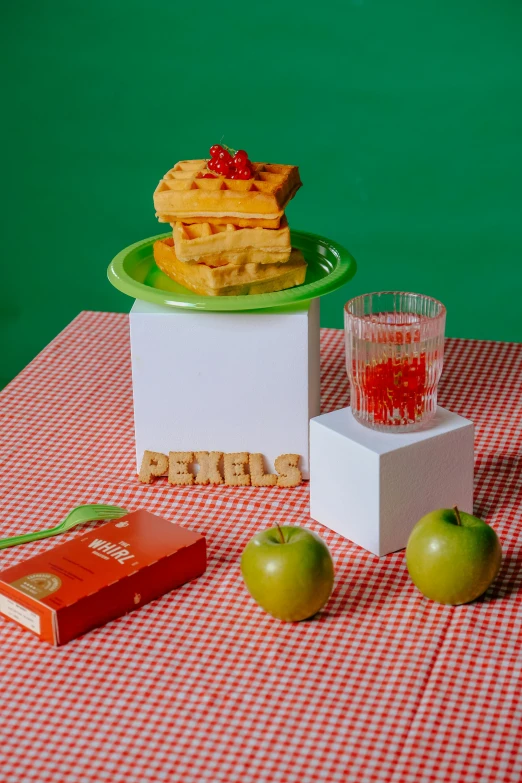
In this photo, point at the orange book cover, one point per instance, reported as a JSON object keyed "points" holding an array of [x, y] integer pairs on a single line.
{"points": [[111, 570]]}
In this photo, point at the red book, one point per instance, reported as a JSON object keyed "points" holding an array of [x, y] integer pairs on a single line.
{"points": [[111, 570]]}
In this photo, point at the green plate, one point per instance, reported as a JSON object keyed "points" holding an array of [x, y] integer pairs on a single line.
{"points": [[134, 272]]}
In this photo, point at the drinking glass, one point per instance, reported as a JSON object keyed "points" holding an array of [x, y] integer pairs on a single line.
{"points": [[394, 354]]}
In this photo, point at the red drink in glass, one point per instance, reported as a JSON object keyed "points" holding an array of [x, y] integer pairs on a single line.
{"points": [[394, 355]]}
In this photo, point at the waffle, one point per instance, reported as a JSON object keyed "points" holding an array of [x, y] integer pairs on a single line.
{"points": [[184, 194], [220, 245], [229, 280], [226, 220]]}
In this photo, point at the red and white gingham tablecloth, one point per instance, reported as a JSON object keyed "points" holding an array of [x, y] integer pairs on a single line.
{"points": [[201, 685]]}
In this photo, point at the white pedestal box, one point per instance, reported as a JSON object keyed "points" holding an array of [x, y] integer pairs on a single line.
{"points": [[206, 381], [372, 487]]}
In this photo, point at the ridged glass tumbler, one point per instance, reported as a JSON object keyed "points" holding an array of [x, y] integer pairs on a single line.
{"points": [[394, 356]]}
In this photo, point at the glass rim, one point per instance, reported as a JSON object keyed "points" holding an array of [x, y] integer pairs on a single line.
{"points": [[440, 315]]}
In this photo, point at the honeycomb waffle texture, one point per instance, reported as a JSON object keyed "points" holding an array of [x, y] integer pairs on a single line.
{"points": [[217, 245], [229, 279], [184, 192]]}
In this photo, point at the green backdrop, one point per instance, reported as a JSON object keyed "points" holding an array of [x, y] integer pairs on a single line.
{"points": [[404, 117]]}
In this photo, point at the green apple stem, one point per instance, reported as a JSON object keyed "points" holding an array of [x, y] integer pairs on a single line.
{"points": [[281, 534], [457, 514]]}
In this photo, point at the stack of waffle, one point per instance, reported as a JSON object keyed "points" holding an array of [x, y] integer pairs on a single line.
{"points": [[230, 237]]}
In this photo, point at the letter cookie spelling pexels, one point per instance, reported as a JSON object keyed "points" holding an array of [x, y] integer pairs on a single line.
{"points": [[235, 474]]}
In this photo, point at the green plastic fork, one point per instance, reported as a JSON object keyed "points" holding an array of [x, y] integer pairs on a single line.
{"points": [[87, 513]]}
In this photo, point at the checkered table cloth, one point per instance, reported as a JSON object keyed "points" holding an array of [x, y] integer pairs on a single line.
{"points": [[201, 685]]}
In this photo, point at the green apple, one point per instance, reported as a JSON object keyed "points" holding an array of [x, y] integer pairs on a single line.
{"points": [[452, 557], [289, 572]]}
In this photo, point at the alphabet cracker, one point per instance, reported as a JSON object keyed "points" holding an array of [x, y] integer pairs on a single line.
{"points": [[258, 477], [178, 468], [234, 464], [153, 464], [286, 466], [208, 462]]}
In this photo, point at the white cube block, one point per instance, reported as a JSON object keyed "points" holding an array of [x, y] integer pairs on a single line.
{"points": [[372, 487], [206, 381]]}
